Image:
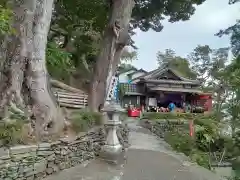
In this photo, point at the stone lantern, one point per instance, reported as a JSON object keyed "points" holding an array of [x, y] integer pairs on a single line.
{"points": [[112, 150]]}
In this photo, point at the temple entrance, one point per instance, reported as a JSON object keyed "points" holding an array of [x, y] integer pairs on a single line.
{"points": [[165, 98], [159, 101]]}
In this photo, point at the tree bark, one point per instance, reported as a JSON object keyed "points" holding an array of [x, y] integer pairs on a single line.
{"points": [[124, 40], [48, 119], [24, 80], [17, 52], [119, 21]]}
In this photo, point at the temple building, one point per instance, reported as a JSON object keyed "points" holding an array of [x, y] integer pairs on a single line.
{"points": [[160, 87]]}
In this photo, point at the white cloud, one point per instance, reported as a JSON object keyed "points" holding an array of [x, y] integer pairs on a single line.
{"points": [[214, 15], [183, 37]]}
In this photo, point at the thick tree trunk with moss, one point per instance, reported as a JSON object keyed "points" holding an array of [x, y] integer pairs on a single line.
{"points": [[17, 52], [45, 110], [118, 23], [25, 81]]}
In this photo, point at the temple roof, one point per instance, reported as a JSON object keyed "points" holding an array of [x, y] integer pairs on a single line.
{"points": [[153, 77], [140, 70], [176, 89], [121, 70], [169, 81]]}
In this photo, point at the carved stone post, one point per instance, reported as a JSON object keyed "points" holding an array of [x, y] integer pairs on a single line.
{"points": [[112, 150]]}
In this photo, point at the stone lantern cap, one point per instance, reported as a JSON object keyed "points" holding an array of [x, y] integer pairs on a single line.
{"points": [[113, 107]]}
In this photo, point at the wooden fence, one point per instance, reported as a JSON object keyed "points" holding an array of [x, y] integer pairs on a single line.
{"points": [[68, 96]]}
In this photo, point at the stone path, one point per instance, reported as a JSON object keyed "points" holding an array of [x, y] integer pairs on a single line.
{"points": [[148, 158]]}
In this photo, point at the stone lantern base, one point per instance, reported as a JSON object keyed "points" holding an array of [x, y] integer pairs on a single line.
{"points": [[113, 155], [112, 151]]}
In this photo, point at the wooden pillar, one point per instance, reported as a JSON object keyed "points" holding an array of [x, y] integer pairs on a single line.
{"points": [[138, 101], [146, 101]]}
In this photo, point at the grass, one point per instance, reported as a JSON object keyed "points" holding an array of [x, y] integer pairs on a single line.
{"points": [[83, 120], [11, 132]]}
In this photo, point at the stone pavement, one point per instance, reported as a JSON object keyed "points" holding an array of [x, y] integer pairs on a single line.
{"points": [[148, 158]]}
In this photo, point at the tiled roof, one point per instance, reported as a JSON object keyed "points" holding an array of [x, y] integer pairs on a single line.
{"points": [[157, 72], [122, 70], [169, 81], [140, 77], [176, 89], [140, 70]]}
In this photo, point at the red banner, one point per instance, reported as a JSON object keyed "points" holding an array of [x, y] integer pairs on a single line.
{"points": [[191, 128]]}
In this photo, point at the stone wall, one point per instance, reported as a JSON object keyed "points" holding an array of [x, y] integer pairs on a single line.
{"points": [[30, 162], [159, 127]]}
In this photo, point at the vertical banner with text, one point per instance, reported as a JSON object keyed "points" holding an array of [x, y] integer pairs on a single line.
{"points": [[191, 128]]}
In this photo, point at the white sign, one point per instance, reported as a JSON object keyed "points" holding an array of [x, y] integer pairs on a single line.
{"points": [[152, 102]]}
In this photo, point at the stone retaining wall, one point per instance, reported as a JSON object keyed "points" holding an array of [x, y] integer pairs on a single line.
{"points": [[159, 127], [33, 162]]}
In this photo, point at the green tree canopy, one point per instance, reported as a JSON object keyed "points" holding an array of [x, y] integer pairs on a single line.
{"points": [[148, 14], [128, 55], [176, 62], [234, 32], [77, 26]]}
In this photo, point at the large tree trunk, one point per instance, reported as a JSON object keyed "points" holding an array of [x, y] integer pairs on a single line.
{"points": [[25, 78], [47, 115], [123, 40], [119, 21], [16, 56]]}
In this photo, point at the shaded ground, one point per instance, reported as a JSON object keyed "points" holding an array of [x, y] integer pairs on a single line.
{"points": [[148, 158]]}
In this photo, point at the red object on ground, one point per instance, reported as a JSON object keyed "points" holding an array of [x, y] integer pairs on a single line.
{"points": [[191, 128], [133, 113]]}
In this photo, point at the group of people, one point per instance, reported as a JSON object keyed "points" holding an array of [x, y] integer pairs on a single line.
{"points": [[172, 107]]}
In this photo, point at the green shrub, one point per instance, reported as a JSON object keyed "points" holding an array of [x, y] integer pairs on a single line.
{"points": [[169, 115], [206, 126], [180, 142], [197, 147], [83, 120], [12, 127], [98, 119], [229, 146], [207, 137], [123, 116], [201, 158], [233, 178], [11, 132]]}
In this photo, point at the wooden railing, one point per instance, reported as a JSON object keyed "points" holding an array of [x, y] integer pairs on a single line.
{"points": [[131, 87]]}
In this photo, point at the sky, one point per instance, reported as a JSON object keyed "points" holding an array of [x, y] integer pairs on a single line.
{"points": [[183, 37]]}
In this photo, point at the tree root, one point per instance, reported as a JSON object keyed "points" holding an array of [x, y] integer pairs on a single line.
{"points": [[43, 115], [11, 101]]}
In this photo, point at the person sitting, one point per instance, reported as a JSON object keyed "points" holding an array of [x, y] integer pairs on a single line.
{"points": [[162, 109], [179, 110], [171, 106], [187, 108]]}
